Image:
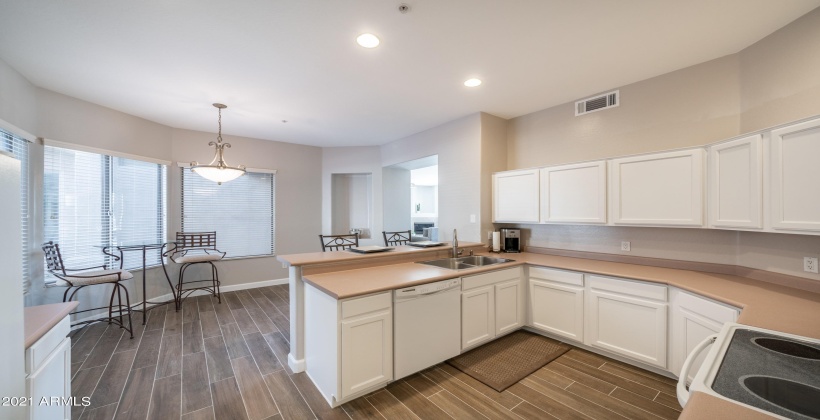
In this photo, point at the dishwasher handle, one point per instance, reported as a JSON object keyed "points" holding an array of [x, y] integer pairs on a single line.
{"points": [[683, 393], [398, 298]]}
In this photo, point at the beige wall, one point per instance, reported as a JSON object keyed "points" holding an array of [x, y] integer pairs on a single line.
{"points": [[493, 159], [351, 160], [688, 107], [18, 101], [458, 146], [772, 82], [780, 75]]}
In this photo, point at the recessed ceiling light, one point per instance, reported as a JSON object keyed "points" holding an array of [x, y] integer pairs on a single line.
{"points": [[472, 82], [368, 40]]}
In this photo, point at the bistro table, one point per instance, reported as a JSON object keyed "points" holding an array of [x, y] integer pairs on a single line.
{"points": [[107, 249]]}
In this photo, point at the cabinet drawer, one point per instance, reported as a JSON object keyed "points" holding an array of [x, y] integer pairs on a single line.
{"points": [[485, 279], [628, 287], [363, 305], [40, 350], [561, 276]]}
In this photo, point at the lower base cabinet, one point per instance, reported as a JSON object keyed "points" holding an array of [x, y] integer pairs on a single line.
{"points": [[557, 302], [693, 319], [628, 318], [48, 374], [492, 304], [348, 344]]}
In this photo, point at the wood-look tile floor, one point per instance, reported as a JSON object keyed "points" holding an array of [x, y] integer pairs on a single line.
{"points": [[229, 361]]}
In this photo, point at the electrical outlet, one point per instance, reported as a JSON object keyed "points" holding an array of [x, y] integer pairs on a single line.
{"points": [[626, 246], [810, 264], [489, 234]]}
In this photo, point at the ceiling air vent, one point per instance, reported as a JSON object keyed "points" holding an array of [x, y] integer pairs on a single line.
{"points": [[597, 103]]}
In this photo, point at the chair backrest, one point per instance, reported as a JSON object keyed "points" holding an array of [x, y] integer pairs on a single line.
{"points": [[339, 242], [195, 240], [396, 238], [54, 261]]}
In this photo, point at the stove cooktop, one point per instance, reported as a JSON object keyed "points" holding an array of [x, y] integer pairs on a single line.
{"points": [[773, 373]]}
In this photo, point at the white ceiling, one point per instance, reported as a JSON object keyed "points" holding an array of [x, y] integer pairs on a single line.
{"points": [[297, 60]]}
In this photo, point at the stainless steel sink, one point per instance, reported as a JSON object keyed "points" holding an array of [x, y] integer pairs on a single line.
{"points": [[463, 263]]}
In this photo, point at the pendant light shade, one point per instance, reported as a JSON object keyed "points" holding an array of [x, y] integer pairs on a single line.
{"points": [[218, 171]]}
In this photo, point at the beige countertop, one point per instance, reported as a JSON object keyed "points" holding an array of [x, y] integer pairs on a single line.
{"points": [[38, 320], [763, 304], [315, 258]]}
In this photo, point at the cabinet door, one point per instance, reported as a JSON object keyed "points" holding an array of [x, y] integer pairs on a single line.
{"points": [[509, 306], [662, 189], [477, 316], [795, 169], [51, 380], [736, 184], [693, 319], [574, 193], [558, 308], [630, 326], [515, 196], [367, 352]]}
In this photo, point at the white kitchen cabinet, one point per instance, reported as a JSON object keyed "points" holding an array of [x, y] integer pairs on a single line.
{"points": [[557, 302], [693, 319], [515, 196], [477, 316], [510, 306], [628, 318], [661, 189], [348, 343], [794, 172], [48, 373], [492, 304], [367, 348], [574, 193], [736, 184]]}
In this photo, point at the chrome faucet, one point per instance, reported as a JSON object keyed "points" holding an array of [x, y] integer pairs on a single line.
{"points": [[456, 251]]}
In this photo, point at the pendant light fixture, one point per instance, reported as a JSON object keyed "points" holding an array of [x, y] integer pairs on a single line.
{"points": [[218, 171]]}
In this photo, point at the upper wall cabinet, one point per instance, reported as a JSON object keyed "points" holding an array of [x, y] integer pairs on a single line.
{"points": [[795, 171], [736, 184], [663, 189], [515, 196], [574, 193]]}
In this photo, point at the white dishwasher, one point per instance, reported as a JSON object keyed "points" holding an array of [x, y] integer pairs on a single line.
{"points": [[426, 326]]}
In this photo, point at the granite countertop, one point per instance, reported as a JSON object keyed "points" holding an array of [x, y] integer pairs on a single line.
{"points": [[38, 320]]}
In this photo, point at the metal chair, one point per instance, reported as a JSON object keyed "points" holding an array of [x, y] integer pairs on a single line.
{"points": [[195, 248], [396, 238], [339, 242], [75, 280]]}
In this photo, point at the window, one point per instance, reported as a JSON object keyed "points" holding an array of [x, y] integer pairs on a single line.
{"points": [[18, 147], [240, 211], [93, 199]]}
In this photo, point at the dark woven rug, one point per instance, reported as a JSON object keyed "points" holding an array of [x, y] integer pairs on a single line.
{"points": [[509, 359]]}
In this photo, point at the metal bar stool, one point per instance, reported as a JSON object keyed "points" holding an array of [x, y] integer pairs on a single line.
{"points": [[192, 248], [396, 238], [339, 242], [75, 280]]}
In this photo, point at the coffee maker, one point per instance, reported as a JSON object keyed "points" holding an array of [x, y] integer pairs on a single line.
{"points": [[510, 240]]}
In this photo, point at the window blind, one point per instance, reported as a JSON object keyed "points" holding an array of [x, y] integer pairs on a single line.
{"points": [[241, 212], [92, 199], [19, 148]]}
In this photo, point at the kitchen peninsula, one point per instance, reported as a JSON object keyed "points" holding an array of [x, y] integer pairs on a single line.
{"points": [[348, 276]]}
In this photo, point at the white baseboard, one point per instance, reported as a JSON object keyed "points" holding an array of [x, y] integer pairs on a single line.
{"points": [[169, 296]]}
